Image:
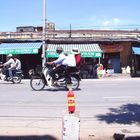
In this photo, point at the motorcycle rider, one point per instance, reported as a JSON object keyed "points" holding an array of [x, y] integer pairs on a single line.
{"points": [[17, 65], [68, 63], [73, 63], [10, 64], [58, 62]]}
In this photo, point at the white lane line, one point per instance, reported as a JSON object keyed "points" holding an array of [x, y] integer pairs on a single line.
{"points": [[120, 97]]}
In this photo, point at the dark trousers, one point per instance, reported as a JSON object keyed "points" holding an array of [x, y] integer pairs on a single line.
{"points": [[58, 70], [69, 70], [6, 72], [9, 72]]}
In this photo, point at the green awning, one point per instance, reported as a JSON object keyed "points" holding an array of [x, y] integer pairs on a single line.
{"points": [[19, 48], [86, 50]]}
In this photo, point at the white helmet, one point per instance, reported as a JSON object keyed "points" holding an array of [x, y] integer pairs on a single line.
{"points": [[75, 50], [9, 55]]}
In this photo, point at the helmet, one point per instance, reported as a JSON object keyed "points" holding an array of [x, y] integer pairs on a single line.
{"points": [[75, 50], [9, 55], [59, 49]]}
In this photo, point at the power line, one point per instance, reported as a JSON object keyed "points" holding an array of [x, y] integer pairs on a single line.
{"points": [[123, 26]]}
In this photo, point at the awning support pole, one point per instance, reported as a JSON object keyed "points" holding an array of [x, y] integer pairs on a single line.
{"points": [[44, 34], [99, 61]]}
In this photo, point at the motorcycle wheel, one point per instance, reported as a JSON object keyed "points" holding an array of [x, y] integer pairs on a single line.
{"points": [[16, 79], [75, 83], [37, 83]]}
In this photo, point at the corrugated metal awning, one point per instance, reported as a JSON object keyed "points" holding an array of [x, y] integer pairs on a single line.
{"points": [[19, 48], [86, 50], [136, 50]]}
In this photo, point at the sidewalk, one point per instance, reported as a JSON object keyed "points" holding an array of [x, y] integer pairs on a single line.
{"points": [[20, 128], [51, 129], [116, 76]]}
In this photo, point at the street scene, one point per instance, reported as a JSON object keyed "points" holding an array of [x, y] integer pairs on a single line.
{"points": [[69, 70], [106, 107]]}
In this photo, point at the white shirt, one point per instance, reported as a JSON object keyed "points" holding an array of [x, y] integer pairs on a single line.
{"points": [[18, 64], [70, 61], [10, 63], [60, 59]]}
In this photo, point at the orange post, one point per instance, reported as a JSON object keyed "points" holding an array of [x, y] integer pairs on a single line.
{"points": [[71, 102]]}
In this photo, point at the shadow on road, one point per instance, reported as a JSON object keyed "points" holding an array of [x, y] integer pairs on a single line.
{"points": [[133, 138], [125, 114], [58, 89], [45, 137], [9, 83]]}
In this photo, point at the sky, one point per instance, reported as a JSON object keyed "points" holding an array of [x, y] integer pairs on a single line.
{"points": [[80, 14]]}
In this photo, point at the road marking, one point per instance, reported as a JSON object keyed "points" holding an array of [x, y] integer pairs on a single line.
{"points": [[120, 97]]}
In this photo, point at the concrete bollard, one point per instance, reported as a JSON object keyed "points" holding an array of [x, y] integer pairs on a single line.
{"points": [[71, 127]]}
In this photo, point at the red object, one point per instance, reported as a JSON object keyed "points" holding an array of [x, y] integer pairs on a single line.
{"points": [[71, 102], [78, 60]]}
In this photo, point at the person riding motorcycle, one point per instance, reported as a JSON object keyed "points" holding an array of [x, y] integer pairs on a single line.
{"points": [[58, 63], [10, 64], [17, 65], [73, 64]]}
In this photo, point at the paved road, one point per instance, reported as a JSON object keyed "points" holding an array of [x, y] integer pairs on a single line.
{"points": [[106, 106]]}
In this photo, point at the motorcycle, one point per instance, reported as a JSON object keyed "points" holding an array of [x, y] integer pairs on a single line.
{"points": [[41, 79], [17, 75]]}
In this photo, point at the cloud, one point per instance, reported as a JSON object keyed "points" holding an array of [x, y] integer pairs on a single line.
{"points": [[116, 20], [106, 23], [111, 22]]}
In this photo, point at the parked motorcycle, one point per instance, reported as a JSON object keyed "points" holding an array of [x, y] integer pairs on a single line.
{"points": [[41, 79], [17, 75]]}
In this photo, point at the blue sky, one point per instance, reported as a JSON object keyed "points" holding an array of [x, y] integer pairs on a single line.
{"points": [[81, 14]]}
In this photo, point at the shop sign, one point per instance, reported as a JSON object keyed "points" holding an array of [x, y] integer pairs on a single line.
{"points": [[19, 51], [111, 48], [83, 54], [91, 54]]}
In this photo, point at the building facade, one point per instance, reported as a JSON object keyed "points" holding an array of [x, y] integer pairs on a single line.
{"points": [[116, 45]]}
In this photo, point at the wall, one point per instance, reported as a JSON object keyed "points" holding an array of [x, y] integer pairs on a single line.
{"points": [[125, 54]]}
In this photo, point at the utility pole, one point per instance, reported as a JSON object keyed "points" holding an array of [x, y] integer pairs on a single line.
{"points": [[44, 34], [70, 31]]}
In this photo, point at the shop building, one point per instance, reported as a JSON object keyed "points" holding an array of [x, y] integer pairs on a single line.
{"points": [[114, 47]]}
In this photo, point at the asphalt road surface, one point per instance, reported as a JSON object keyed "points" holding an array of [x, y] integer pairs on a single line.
{"points": [[106, 106]]}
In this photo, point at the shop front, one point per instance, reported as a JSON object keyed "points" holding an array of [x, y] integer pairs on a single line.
{"points": [[28, 53], [116, 55], [111, 57]]}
